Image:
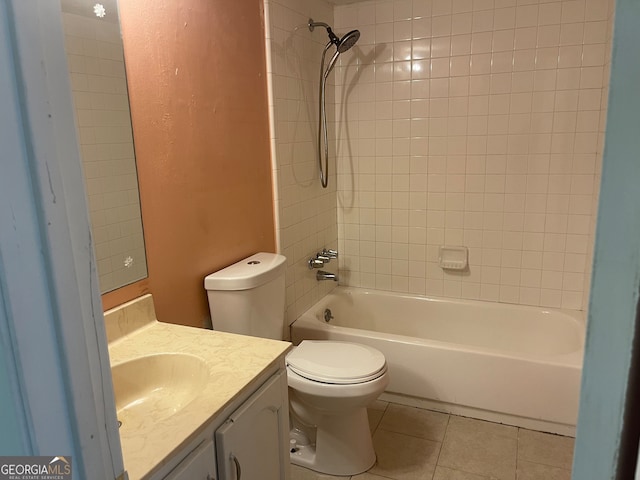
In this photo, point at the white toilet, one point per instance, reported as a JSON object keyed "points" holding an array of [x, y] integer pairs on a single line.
{"points": [[330, 383]]}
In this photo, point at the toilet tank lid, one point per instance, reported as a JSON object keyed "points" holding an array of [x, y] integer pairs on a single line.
{"points": [[249, 273]]}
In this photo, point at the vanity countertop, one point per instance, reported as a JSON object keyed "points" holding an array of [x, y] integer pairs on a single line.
{"points": [[232, 362]]}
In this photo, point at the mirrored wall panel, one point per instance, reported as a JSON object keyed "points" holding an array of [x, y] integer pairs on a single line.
{"points": [[96, 63]]}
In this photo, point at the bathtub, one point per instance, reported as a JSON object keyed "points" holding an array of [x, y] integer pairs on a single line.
{"points": [[511, 364]]}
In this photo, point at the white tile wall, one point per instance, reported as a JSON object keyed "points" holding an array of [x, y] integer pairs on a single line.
{"points": [[305, 213], [477, 123], [96, 64]]}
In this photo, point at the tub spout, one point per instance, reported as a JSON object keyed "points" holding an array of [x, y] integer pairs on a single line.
{"points": [[322, 275]]}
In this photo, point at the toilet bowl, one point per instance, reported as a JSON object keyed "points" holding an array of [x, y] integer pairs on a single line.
{"points": [[330, 383], [330, 386]]}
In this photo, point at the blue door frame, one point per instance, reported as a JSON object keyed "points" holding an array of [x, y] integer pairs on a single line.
{"points": [[616, 270]]}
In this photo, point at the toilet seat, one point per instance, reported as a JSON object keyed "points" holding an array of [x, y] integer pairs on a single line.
{"points": [[340, 363]]}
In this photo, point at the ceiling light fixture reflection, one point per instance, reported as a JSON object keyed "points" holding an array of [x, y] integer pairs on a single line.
{"points": [[99, 10]]}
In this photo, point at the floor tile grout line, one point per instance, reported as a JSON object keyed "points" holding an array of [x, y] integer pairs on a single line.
{"points": [[546, 465], [409, 435], [537, 462], [446, 429], [457, 469]]}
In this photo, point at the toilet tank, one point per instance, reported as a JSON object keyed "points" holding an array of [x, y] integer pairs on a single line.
{"points": [[248, 296]]}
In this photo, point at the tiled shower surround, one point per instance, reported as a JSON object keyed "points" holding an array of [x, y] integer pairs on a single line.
{"points": [[457, 122], [305, 212], [476, 123]]}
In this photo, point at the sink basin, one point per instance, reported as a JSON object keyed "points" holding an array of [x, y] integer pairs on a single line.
{"points": [[154, 387]]}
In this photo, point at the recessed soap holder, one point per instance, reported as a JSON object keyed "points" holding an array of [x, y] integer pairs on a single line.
{"points": [[453, 257]]}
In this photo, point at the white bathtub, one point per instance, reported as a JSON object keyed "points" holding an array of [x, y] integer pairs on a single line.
{"points": [[507, 363]]}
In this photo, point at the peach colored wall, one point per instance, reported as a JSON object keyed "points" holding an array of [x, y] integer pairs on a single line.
{"points": [[196, 74]]}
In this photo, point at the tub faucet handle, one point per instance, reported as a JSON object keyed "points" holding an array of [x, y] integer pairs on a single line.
{"points": [[315, 263], [329, 253]]}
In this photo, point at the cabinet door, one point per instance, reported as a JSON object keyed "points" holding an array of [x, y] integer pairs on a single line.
{"points": [[199, 465], [252, 443]]}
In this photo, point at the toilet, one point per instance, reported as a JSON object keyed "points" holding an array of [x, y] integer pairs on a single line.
{"points": [[330, 383]]}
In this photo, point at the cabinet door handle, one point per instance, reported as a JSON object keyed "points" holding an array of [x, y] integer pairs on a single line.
{"points": [[238, 469]]}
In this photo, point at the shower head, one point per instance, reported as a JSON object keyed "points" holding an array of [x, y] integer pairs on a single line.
{"points": [[348, 41], [345, 43]]}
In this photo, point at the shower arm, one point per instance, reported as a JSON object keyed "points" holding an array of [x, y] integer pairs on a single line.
{"points": [[313, 24], [332, 36]]}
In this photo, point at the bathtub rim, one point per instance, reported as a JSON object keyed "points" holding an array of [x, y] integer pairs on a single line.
{"points": [[571, 359]]}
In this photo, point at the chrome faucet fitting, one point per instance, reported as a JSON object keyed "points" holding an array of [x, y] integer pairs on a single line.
{"points": [[322, 275], [321, 258], [315, 263], [329, 253]]}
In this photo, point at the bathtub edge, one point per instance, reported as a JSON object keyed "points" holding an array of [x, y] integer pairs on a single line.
{"points": [[480, 414]]}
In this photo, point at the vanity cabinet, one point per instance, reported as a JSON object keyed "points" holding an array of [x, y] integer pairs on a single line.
{"points": [[248, 441], [199, 465], [252, 442]]}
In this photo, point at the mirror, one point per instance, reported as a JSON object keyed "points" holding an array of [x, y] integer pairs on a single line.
{"points": [[93, 44]]}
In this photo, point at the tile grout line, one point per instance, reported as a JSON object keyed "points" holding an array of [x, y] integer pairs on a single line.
{"points": [[519, 431], [442, 442], [517, 451], [410, 435]]}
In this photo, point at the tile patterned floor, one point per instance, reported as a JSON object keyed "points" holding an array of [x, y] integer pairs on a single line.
{"points": [[416, 444]]}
